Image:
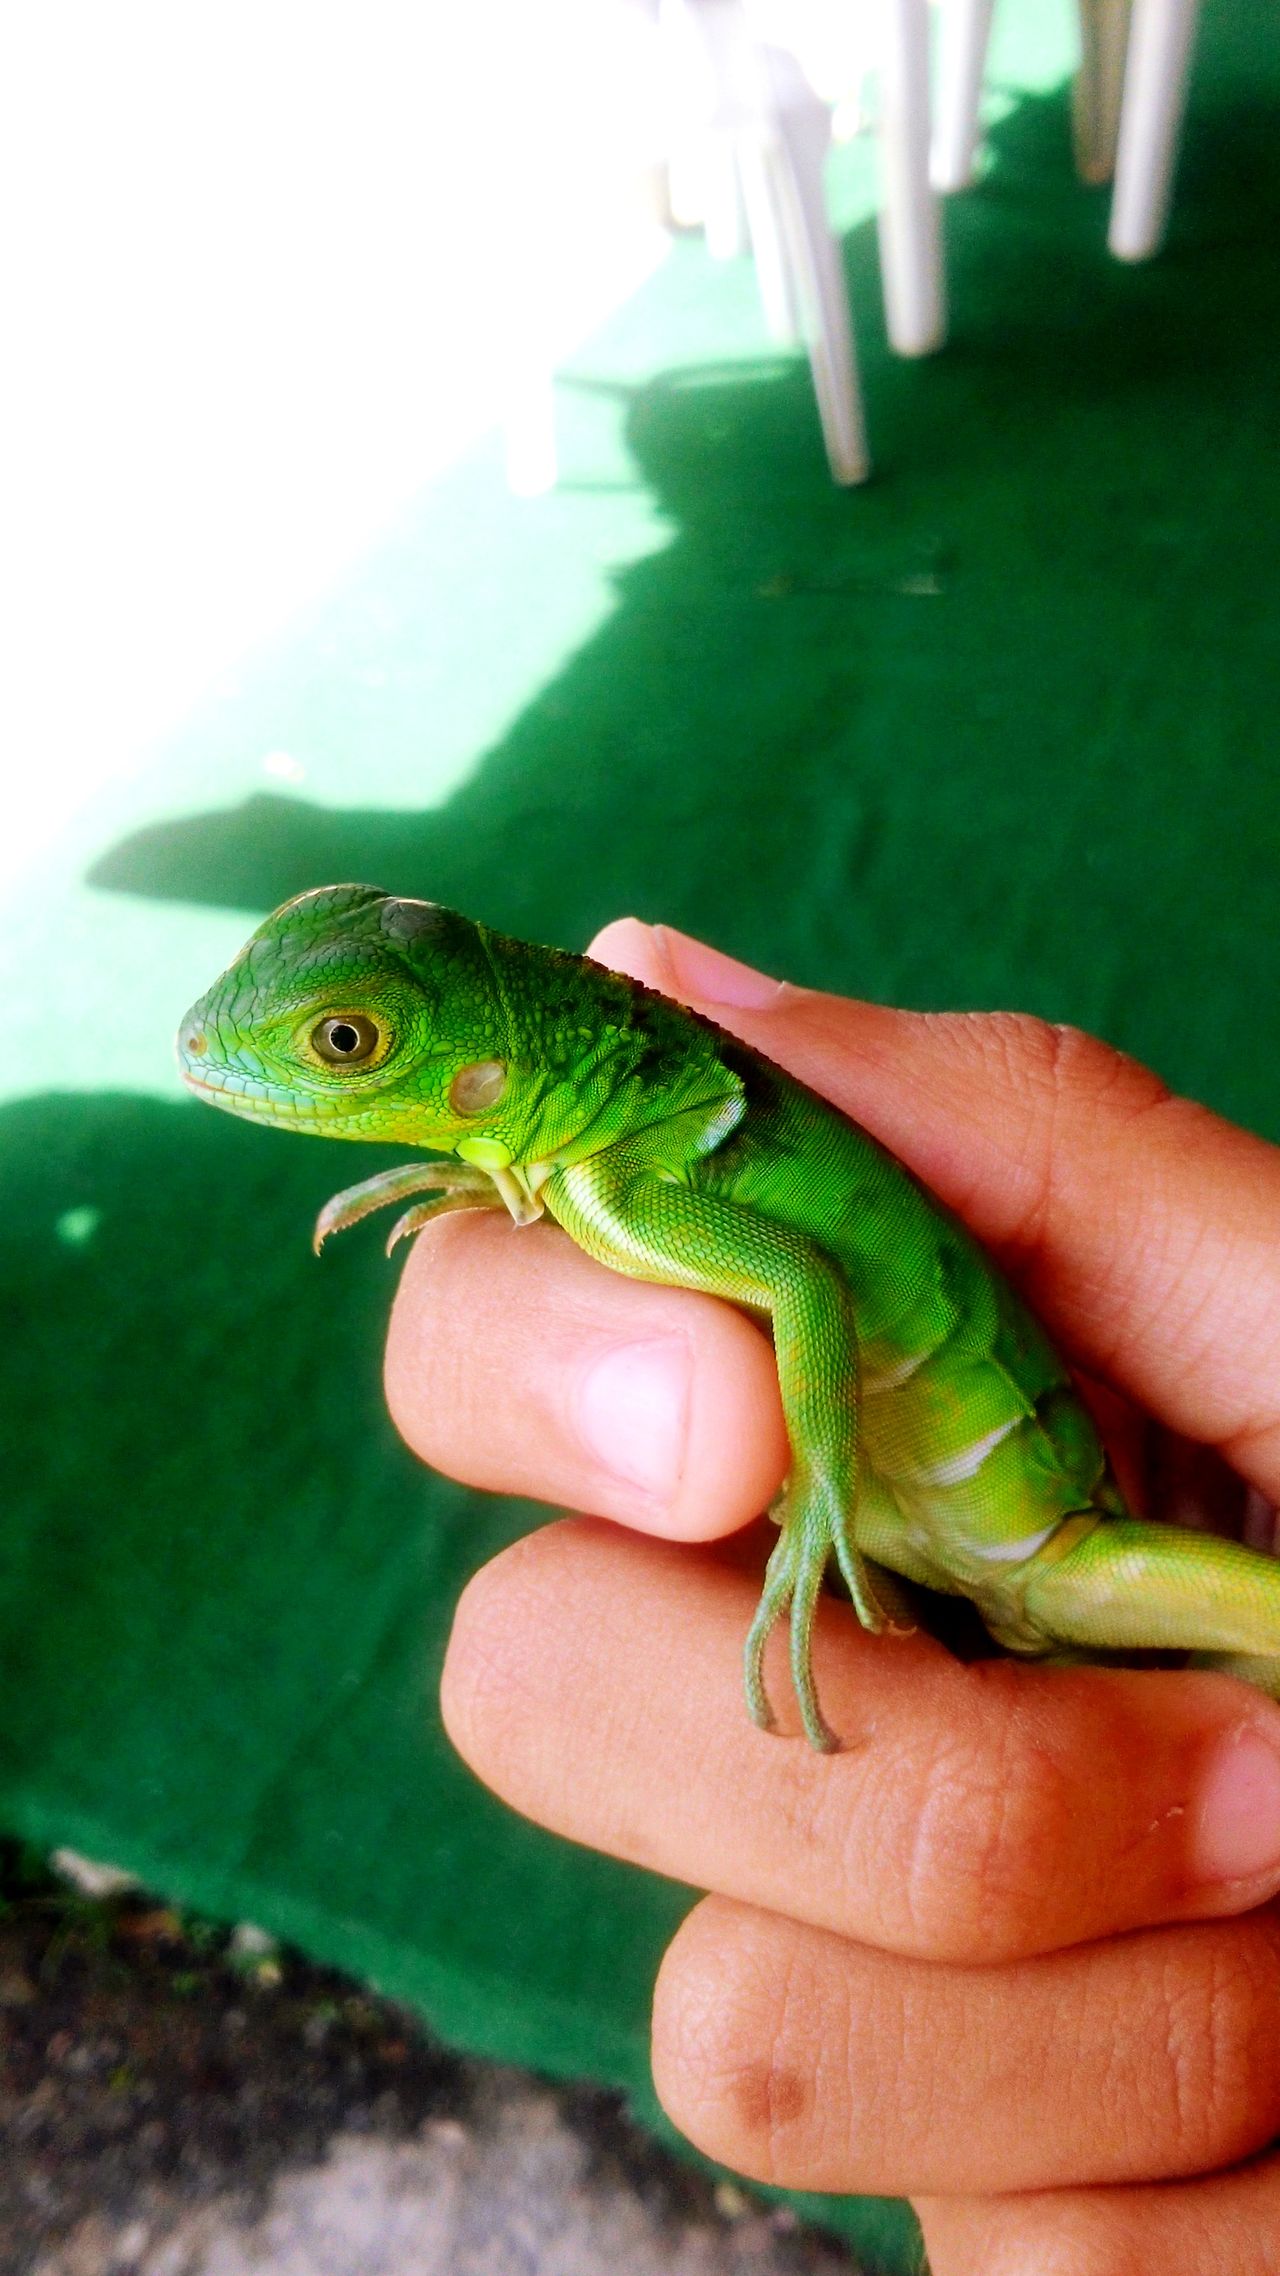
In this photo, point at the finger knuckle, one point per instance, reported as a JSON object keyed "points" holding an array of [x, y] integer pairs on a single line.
{"points": [[996, 1816], [1221, 2061], [1063, 1081], [1054, 1061]]}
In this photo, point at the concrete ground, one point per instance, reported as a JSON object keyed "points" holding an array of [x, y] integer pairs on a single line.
{"points": [[174, 2102]]}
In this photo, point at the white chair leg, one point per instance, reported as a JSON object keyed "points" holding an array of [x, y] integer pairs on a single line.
{"points": [[1099, 85], [964, 29], [527, 400], [698, 45], [1155, 85], [775, 277], [910, 247], [795, 152], [529, 430], [724, 218], [758, 99]]}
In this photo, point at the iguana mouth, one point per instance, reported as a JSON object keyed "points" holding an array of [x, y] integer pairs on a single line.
{"points": [[237, 1099], [237, 1093]]}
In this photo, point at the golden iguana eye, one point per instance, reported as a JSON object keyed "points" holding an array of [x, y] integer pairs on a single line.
{"points": [[475, 1088], [345, 1038]]}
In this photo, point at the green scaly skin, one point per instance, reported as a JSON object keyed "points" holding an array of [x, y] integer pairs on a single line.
{"points": [[935, 1434]]}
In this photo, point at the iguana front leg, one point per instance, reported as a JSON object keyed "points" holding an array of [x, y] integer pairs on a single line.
{"points": [[620, 1208], [453, 1185]]}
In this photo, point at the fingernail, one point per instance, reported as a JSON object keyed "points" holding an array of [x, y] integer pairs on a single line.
{"points": [[633, 1412], [712, 977], [1236, 1832]]}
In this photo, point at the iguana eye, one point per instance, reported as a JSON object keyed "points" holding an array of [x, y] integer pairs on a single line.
{"points": [[475, 1088], [345, 1038]]}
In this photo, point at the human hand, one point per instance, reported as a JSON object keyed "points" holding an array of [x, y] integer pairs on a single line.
{"points": [[910, 1976]]}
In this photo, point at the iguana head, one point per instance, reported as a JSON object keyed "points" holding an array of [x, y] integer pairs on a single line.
{"points": [[353, 1014]]}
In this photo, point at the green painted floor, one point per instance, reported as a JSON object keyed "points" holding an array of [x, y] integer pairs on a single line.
{"points": [[1000, 729]]}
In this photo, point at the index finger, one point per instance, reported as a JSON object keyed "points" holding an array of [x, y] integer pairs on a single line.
{"points": [[982, 1813], [1142, 1228]]}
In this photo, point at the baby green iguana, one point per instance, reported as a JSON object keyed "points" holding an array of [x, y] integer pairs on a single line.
{"points": [[935, 1434]]}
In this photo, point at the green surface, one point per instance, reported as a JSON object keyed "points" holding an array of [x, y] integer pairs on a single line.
{"points": [[999, 729]]}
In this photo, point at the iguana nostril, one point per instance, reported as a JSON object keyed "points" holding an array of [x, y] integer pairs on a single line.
{"points": [[195, 1041]]}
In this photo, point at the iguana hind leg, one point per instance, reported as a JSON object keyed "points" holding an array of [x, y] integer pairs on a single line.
{"points": [[1119, 1584]]}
